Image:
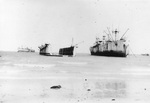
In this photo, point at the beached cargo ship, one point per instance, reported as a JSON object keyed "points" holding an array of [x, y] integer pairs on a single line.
{"points": [[70, 51], [67, 51], [25, 50], [110, 46], [46, 50]]}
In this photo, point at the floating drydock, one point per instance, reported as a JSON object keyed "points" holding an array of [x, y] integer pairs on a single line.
{"points": [[46, 50], [110, 47], [25, 50]]}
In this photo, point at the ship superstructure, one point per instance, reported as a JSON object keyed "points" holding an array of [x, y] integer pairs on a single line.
{"points": [[110, 46], [44, 49]]}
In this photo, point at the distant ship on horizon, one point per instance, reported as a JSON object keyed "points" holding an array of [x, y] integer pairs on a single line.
{"points": [[110, 47], [145, 54], [21, 49]]}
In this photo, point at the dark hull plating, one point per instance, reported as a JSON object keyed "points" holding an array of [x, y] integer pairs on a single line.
{"points": [[66, 51], [48, 54], [109, 53]]}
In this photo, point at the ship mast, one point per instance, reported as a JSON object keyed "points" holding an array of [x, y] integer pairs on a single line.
{"points": [[116, 31], [72, 42], [75, 45], [124, 34], [79, 43], [109, 34]]}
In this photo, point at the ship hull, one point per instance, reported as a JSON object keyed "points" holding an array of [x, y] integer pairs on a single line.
{"points": [[44, 53], [25, 51], [48, 54], [110, 53], [67, 51], [22, 51]]}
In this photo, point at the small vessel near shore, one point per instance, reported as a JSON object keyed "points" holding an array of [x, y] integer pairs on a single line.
{"points": [[46, 50], [110, 46], [25, 49], [145, 54]]}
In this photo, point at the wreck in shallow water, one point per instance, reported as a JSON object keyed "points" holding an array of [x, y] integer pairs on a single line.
{"points": [[46, 50], [70, 51], [110, 46]]}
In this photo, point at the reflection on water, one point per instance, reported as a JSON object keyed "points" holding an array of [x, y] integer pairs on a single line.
{"points": [[107, 89]]}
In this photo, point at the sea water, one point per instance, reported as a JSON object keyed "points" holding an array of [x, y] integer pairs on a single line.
{"points": [[82, 63], [98, 78]]}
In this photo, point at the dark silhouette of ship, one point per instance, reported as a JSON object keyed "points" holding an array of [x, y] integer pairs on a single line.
{"points": [[67, 51], [25, 49], [110, 47], [70, 51], [46, 50]]}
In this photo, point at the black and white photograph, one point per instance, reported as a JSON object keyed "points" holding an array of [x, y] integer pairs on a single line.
{"points": [[74, 51]]}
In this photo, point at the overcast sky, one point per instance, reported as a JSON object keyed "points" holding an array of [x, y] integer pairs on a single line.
{"points": [[30, 23]]}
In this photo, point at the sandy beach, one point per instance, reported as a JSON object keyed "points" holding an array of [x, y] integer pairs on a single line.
{"points": [[28, 78]]}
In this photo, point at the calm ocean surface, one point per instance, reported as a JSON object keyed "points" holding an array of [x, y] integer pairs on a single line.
{"points": [[82, 63], [27, 78]]}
